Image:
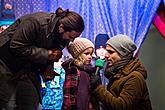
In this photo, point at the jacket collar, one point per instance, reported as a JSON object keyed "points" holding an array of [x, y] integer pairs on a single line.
{"points": [[133, 65]]}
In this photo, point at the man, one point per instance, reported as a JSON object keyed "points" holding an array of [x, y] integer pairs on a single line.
{"points": [[127, 89], [27, 48]]}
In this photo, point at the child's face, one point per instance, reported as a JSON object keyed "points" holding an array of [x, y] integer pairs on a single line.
{"points": [[86, 56]]}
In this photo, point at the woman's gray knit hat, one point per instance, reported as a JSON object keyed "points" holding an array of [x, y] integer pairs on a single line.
{"points": [[122, 44]]}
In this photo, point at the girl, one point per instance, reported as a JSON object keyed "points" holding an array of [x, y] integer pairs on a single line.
{"points": [[78, 70]]}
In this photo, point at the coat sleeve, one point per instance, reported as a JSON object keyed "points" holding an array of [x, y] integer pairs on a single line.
{"points": [[23, 42], [127, 99]]}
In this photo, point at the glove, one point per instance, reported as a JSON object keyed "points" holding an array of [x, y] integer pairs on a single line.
{"points": [[49, 74], [99, 62], [54, 55], [95, 81]]}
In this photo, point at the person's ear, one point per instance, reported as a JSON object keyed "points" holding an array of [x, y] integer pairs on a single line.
{"points": [[61, 28]]}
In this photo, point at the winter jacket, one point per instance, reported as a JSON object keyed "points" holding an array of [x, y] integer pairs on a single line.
{"points": [[76, 90], [28, 40], [7, 15], [24, 46], [127, 89]]}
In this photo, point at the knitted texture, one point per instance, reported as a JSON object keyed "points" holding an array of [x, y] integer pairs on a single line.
{"points": [[122, 44], [76, 47]]}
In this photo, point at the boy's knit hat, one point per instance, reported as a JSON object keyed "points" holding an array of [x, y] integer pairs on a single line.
{"points": [[122, 44], [76, 47]]}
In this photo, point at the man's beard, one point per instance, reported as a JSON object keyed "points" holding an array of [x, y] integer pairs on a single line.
{"points": [[59, 42], [116, 66], [64, 42], [109, 71]]}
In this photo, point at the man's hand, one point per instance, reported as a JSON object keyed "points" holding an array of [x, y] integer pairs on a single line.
{"points": [[54, 55], [49, 73], [95, 81]]}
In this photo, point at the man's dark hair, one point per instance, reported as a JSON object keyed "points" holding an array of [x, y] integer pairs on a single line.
{"points": [[72, 21]]}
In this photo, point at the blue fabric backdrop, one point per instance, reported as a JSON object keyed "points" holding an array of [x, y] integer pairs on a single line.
{"points": [[130, 17]]}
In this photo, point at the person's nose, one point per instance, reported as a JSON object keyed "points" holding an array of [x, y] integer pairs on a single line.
{"points": [[89, 57], [107, 55]]}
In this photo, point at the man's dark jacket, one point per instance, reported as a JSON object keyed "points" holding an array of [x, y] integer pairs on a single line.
{"points": [[24, 46]]}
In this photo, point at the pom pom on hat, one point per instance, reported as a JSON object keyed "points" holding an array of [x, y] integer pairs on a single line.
{"points": [[122, 44], [76, 47]]}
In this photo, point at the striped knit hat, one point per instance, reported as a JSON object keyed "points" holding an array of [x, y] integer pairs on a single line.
{"points": [[76, 47]]}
